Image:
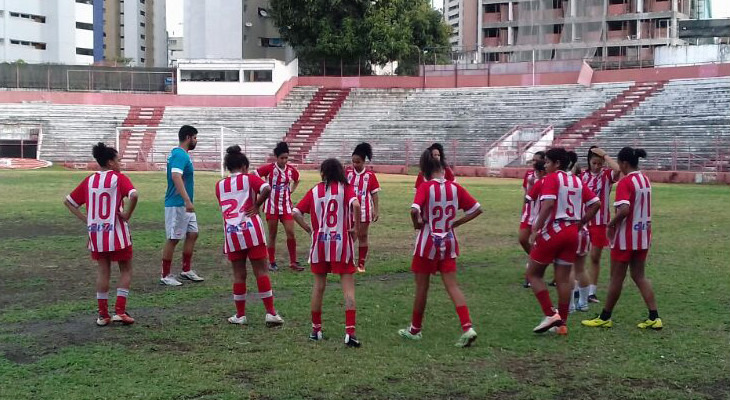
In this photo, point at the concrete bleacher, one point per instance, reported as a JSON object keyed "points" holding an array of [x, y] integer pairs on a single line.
{"points": [[256, 130], [682, 126], [69, 131], [401, 123]]}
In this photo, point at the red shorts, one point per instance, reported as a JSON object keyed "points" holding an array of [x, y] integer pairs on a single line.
{"points": [[584, 243], [328, 267], [119, 255], [279, 217], [423, 265], [253, 253], [561, 248], [525, 225], [626, 256], [599, 236]]}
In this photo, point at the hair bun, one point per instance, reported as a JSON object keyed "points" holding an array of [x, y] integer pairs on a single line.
{"points": [[641, 153], [235, 149]]}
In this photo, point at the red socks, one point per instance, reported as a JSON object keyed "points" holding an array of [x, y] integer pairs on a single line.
{"points": [[416, 322], [272, 254], [563, 310], [267, 296], [121, 306], [350, 322], [464, 319], [102, 300], [291, 245], [317, 321], [547, 306], [362, 256], [186, 261], [239, 298], [166, 267]]}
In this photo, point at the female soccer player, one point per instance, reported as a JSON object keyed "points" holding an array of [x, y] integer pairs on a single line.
{"points": [[630, 233], [366, 188], [283, 179], [240, 195], [578, 274], [106, 219], [531, 206], [561, 213], [434, 214], [437, 150], [335, 218], [600, 180]]}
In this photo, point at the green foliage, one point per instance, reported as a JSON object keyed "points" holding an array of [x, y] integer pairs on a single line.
{"points": [[357, 34]]}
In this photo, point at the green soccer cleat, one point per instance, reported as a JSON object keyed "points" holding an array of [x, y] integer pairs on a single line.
{"points": [[649, 324]]}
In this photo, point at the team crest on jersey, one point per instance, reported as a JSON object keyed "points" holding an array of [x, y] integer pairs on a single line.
{"points": [[329, 237], [239, 228], [105, 227]]}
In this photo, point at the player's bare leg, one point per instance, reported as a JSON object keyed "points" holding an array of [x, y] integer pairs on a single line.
{"points": [[362, 246], [103, 273], [273, 225], [422, 281], [457, 296], [348, 291], [565, 289], [125, 282], [320, 283], [595, 273], [291, 245], [647, 293], [524, 239]]}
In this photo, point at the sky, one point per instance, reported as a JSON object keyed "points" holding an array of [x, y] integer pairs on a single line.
{"points": [[721, 9]]}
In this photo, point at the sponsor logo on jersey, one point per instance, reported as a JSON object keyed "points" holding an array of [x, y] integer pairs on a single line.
{"points": [[239, 228], [105, 227], [642, 226], [329, 237]]}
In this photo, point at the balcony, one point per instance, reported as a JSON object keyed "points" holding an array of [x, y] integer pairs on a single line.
{"points": [[617, 35], [494, 42]]}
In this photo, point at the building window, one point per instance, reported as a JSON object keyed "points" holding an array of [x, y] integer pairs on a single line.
{"points": [[265, 75], [492, 32], [210, 76], [84, 52], [141, 12], [141, 1], [143, 48], [142, 24], [143, 37], [84, 26], [35, 45], [491, 8], [272, 42], [141, 60], [35, 18]]}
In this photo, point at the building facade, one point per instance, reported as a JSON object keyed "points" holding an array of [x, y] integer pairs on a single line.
{"points": [[619, 31], [232, 29], [83, 31]]}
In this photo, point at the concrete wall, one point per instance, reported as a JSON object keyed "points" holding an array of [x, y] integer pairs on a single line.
{"points": [[213, 29], [679, 55], [281, 73]]}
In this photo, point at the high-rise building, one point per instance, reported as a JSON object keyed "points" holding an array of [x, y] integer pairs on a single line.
{"points": [[601, 30], [83, 31], [231, 29]]}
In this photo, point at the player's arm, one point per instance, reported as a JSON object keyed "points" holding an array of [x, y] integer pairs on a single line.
{"points": [[470, 215], [376, 206], [305, 205], [133, 199], [75, 210], [355, 207], [294, 186], [622, 211], [299, 218], [591, 211], [546, 209], [177, 179], [609, 161]]}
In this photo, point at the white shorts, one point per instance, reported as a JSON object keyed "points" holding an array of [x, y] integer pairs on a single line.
{"points": [[179, 222]]}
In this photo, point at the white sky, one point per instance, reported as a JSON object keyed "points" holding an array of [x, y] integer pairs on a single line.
{"points": [[720, 9]]}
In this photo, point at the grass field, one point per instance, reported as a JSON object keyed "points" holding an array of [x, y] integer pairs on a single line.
{"points": [[182, 347]]}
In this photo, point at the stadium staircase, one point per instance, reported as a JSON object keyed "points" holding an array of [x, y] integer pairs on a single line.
{"points": [[322, 109], [136, 144], [574, 135]]}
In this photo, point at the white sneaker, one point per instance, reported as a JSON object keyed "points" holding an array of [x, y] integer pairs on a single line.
{"points": [[170, 280], [583, 307], [547, 323], [467, 338], [238, 320], [192, 276], [572, 307], [274, 320]]}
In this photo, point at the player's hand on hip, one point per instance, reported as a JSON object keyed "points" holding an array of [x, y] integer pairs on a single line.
{"points": [[375, 216], [189, 207], [252, 211]]}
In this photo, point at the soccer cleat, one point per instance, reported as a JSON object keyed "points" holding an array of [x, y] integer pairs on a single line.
{"points": [[582, 307], [406, 333], [235, 319], [351, 341], [191, 275], [553, 283], [526, 284], [649, 324], [597, 323], [103, 321], [273, 320], [316, 336], [273, 267], [593, 299], [467, 338], [170, 280], [125, 319], [547, 323], [296, 267]]}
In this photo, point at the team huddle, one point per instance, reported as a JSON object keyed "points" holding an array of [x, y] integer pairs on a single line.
{"points": [[565, 214]]}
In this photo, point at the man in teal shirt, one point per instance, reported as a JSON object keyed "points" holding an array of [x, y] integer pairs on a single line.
{"points": [[180, 219]]}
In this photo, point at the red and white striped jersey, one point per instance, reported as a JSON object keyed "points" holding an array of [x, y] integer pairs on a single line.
{"points": [[365, 184], [570, 196], [448, 175], [528, 181], [280, 180], [103, 194], [601, 184], [532, 206], [330, 216], [634, 232], [236, 194], [438, 200]]}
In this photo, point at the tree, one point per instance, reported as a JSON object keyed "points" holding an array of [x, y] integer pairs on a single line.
{"points": [[358, 33]]}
